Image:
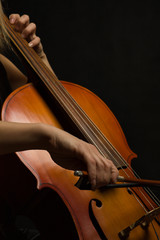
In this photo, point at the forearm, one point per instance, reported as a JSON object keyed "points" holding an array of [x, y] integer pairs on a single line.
{"points": [[21, 136], [62, 146]]}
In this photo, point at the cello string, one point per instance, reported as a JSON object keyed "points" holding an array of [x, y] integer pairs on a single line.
{"points": [[115, 151], [155, 231]]}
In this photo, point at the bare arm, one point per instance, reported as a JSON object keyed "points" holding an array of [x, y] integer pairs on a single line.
{"points": [[23, 136], [15, 77]]}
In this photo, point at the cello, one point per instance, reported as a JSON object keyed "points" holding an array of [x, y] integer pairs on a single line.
{"points": [[111, 212]]}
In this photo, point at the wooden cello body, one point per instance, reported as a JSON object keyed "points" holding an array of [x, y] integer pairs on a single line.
{"points": [[100, 214]]}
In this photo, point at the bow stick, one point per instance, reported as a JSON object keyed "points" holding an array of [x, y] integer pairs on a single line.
{"points": [[83, 182]]}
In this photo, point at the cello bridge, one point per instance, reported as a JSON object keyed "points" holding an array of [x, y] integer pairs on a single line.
{"points": [[144, 222]]}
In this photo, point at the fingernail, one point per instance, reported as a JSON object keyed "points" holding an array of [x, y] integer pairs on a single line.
{"points": [[30, 44], [12, 20]]}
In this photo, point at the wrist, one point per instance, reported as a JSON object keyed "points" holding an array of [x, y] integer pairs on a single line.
{"points": [[44, 137]]}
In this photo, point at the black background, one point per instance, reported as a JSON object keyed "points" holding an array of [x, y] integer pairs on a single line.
{"points": [[113, 49]]}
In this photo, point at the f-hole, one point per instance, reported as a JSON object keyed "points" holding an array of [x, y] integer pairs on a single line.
{"points": [[94, 220]]}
